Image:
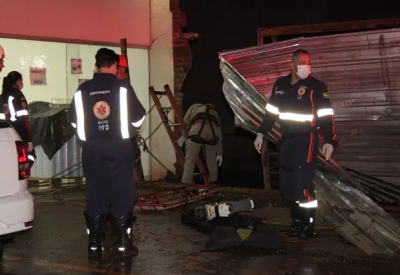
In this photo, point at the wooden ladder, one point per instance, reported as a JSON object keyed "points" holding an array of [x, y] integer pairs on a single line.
{"points": [[163, 112]]}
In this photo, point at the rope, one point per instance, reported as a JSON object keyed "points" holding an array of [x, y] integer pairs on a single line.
{"points": [[159, 125], [142, 142], [154, 105], [53, 177]]}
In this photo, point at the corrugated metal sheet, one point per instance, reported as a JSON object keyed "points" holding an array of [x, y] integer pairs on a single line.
{"points": [[362, 71], [69, 155]]}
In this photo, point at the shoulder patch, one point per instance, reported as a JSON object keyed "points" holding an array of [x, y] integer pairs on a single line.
{"points": [[325, 95]]}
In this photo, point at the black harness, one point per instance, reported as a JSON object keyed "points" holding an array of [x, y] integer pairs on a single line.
{"points": [[205, 117]]}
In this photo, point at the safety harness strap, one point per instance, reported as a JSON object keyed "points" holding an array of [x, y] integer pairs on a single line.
{"points": [[205, 117]]}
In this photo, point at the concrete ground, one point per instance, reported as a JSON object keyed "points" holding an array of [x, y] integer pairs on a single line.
{"points": [[57, 245]]}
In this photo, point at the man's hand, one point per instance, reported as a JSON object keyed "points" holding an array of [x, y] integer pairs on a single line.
{"points": [[219, 160], [30, 146], [181, 141], [327, 150], [259, 142]]}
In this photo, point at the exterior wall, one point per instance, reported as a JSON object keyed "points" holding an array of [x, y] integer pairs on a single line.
{"points": [[182, 52], [102, 21], [161, 73], [61, 85]]}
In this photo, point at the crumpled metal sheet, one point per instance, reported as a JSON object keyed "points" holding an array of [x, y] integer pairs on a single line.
{"points": [[341, 203], [247, 104]]}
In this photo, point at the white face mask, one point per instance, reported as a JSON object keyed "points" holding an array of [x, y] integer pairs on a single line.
{"points": [[303, 71]]}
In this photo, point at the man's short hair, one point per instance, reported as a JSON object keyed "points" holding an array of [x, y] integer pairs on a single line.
{"points": [[296, 53], [106, 58]]}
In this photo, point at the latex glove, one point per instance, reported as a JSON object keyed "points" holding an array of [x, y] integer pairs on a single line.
{"points": [[30, 146], [181, 141], [219, 160], [327, 150], [259, 142]]}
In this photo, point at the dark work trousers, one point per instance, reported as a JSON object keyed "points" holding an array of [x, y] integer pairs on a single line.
{"points": [[108, 166], [297, 157]]}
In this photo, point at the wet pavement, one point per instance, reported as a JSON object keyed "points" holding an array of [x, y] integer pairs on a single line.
{"points": [[57, 245]]}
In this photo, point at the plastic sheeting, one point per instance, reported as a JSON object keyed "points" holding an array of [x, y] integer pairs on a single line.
{"points": [[64, 164], [56, 145], [50, 126], [350, 212]]}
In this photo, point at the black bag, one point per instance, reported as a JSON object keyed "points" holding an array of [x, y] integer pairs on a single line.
{"points": [[223, 238]]}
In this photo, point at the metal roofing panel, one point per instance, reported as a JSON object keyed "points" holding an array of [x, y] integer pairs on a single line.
{"points": [[362, 71]]}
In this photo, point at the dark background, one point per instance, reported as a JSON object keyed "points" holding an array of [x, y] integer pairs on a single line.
{"points": [[232, 24]]}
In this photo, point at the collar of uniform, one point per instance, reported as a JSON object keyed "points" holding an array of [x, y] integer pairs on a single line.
{"points": [[288, 80], [104, 75]]}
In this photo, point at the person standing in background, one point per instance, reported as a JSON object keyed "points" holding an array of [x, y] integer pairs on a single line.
{"points": [[122, 74], [16, 109], [122, 68], [2, 111], [204, 130]]}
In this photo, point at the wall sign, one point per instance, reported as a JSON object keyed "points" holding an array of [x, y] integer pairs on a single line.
{"points": [[76, 66], [38, 76], [80, 81]]}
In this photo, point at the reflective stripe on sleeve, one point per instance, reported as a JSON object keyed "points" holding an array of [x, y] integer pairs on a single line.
{"points": [[296, 117], [80, 115], [22, 113], [11, 108], [139, 122], [272, 109], [123, 104], [325, 112]]}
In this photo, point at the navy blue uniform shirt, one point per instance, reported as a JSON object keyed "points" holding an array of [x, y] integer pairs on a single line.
{"points": [[301, 108], [106, 107]]}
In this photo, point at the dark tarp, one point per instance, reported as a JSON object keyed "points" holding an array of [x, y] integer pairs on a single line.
{"points": [[230, 232], [50, 126]]}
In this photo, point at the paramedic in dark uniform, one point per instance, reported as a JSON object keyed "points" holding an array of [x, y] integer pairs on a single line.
{"points": [[302, 104], [204, 130], [122, 68], [105, 112], [16, 109], [122, 74]]}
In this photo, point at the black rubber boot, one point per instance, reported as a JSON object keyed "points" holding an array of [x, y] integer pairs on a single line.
{"points": [[122, 227], [95, 230], [306, 229], [292, 228], [294, 213], [110, 217]]}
